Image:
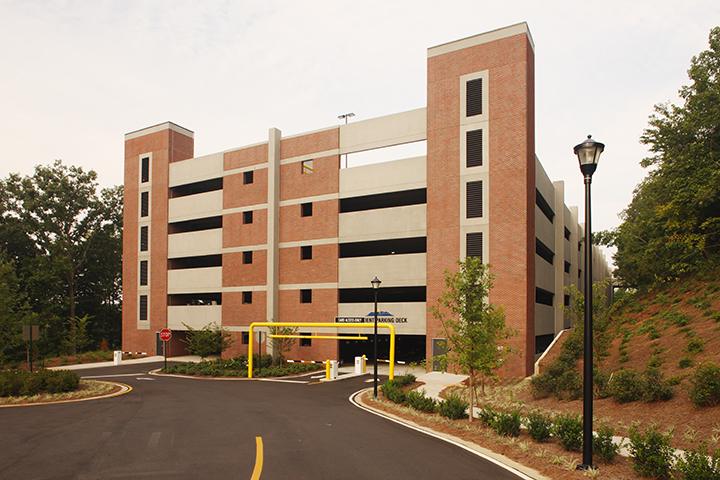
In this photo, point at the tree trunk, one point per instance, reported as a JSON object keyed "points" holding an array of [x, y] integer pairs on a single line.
{"points": [[472, 395], [71, 299]]}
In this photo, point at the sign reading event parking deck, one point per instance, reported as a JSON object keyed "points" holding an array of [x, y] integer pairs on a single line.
{"points": [[384, 317]]}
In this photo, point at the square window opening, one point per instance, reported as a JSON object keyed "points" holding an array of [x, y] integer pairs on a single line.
{"points": [[248, 177], [306, 167], [247, 257], [248, 217], [306, 209], [246, 298], [306, 296], [306, 252]]}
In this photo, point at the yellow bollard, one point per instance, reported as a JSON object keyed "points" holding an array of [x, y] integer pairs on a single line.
{"points": [[327, 369], [364, 364]]}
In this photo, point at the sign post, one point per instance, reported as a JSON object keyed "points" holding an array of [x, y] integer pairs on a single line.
{"points": [[165, 336], [30, 331]]}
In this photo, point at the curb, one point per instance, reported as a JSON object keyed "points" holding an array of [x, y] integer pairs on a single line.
{"points": [[287, 379], [124, 389], [521, 471]]}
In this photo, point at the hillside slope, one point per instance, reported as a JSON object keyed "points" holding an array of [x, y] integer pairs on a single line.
{"points": [[672, 329]]}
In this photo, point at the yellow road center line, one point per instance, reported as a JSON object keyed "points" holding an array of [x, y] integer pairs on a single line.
{"points": [[258, 459]]}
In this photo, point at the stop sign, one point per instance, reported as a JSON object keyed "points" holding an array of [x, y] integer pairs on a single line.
{"points": [[165, 334]]}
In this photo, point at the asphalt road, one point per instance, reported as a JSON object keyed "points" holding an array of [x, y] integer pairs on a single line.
{"points": [[173, 428]]}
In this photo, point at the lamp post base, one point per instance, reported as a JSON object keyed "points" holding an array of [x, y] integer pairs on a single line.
{"points": [[584, 466]]}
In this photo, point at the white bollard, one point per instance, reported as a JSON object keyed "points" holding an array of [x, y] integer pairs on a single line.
{"points": [[358, 365], [333, 369], [117, 357]]}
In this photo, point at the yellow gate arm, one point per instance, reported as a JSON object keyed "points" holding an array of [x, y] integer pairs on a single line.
{"points": [[389, 327]]}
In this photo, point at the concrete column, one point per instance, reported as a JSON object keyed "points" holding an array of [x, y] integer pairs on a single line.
{"points": [[559, 247], [273, 223]]}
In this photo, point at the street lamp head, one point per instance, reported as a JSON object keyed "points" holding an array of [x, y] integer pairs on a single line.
{"points": [[588, 153], [375, 283]]}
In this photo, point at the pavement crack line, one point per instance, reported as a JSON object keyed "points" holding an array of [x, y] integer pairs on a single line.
{"points": [[258, 459]]}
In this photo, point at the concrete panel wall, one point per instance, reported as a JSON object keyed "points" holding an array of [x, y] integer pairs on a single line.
{"points": [[194, 280], [544, 274], [398, 222], [383, 131], [392, 176], [195, 316], [196, 169], [544, 320], [393, 270], [203, 242], [208, 204], [414, 312]]}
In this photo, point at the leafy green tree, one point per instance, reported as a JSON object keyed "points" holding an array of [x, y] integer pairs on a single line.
{"points": [[209, 340], [14, 312], [280, 346], [672, 226], [473, 327], [66, 240]]}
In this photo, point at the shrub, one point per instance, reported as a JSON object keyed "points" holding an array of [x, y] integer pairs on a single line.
{"points": [[697, 465], [487, 416], [209, 340], [651, 452], [539, 426], [404, 380], [569, 429], [419, 401], [603, 445], [560, 380], [655, 387], [685, 362], [625, 386], [705, 389], [655, 361], [392, 391], [16, 383], [507, 424], [695, 345], [453, 407]]}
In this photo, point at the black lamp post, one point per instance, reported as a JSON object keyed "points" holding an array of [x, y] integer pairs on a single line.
{"points": [[376, 286], [588, 153]]}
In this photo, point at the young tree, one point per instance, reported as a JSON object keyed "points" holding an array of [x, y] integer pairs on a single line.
{"points": [[473, 327], [280, 346]]}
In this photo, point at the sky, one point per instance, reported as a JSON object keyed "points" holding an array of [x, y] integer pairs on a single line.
{"points": [[76, 75]]}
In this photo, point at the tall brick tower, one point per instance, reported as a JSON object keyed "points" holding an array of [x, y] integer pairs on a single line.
{"points": [[480, 95]]}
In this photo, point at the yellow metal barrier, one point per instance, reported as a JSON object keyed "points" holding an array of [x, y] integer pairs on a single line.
{"points": [[389, 327], [327, 369], [324, 337]]}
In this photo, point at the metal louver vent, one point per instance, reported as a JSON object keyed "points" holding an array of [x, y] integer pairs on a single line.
{"points": [[144, 204], [143, 272], [143, 239], [474, 199], [474, 97], [474, 150], [474, 245], [143, 307]]}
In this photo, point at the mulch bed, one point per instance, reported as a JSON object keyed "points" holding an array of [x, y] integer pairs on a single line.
{"points": [[548, 458]]}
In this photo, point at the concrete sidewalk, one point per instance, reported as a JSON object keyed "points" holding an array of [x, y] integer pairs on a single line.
{"points": [[155, 358], [435, 382]]}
